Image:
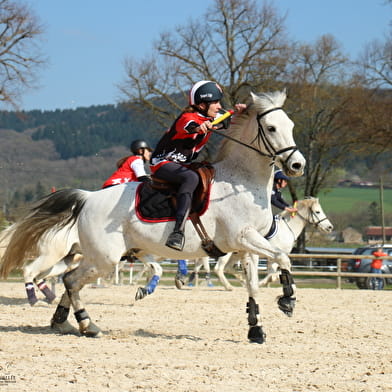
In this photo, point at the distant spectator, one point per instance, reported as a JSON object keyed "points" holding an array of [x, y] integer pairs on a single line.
{"points": [[377, 283], [131, 168]]}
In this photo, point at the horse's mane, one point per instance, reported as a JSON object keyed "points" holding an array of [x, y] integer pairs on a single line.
{"points": [[256, 103]]}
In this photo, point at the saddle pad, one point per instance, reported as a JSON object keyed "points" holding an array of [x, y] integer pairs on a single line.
{"points": [[274, 228], [154, 205]]}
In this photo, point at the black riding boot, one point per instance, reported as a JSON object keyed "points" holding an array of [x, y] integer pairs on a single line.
{"points": [[176, 239]]}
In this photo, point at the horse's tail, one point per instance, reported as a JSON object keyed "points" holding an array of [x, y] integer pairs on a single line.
{"points": [[5, 239], [52, 212]]}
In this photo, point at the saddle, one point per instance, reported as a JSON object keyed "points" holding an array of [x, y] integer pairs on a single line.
{"points": [[200, 199], [156, 202]]}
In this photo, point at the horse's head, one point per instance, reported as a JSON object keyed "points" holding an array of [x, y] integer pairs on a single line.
{"points": [[275, 132], [311, 210]]}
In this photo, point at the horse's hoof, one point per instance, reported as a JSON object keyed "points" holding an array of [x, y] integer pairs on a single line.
{"points": [[32, 301], [286, 305], [140, 293], [256, 335], [179, 281], [64, 328], [90, 331]]}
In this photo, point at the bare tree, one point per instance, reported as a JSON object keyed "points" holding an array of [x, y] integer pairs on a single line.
{"points": [[322, 94], [375, 63], [19, 54], [237, 43]]}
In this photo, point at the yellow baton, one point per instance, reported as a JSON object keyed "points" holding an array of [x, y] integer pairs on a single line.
{"points": [[223, 117], [295, 206]]}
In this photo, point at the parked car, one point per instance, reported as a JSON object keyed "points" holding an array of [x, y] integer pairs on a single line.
{"points": [[360, 264]]}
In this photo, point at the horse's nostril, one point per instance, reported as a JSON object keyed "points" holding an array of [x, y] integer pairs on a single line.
{"points": [[296, 166]]}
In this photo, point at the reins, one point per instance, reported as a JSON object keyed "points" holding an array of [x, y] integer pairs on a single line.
{"points": [[261, 135]]}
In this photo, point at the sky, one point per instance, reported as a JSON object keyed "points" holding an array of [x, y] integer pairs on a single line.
{"points": [[87, 41]]}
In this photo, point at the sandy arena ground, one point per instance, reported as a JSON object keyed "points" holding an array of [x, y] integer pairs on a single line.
{"points": [[195, 340]]}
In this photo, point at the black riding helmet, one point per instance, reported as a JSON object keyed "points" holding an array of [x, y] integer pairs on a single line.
{"points": [[136, 144], [205, 91]]}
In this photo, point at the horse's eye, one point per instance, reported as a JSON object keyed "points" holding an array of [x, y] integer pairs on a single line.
{"points": [[317, 212], [271, 129]]}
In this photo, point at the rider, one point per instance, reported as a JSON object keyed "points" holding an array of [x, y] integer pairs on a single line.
{"points": [[181, 144], [131, 168], [280, 182]]}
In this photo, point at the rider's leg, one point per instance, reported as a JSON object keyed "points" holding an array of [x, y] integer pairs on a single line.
{"points": [[176, 238], [187, 181]]}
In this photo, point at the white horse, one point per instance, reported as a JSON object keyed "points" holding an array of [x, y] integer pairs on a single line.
{"points": [[288, 228], [238, 217]]}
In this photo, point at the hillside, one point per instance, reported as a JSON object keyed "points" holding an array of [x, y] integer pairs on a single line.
{"points": [[69, 148]]}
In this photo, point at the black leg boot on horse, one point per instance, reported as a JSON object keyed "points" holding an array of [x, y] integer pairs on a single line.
{"points": [[286, 302], [176, 238]]}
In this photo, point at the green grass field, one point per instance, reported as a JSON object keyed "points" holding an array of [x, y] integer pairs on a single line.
{"points": [[348, 199]]}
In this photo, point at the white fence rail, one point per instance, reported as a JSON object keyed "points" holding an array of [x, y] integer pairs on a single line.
{"points": [[297, 270]]}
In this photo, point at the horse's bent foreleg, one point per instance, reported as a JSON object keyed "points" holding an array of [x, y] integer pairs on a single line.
{"points": [[286, 302], [272, 274], [156, 272]]}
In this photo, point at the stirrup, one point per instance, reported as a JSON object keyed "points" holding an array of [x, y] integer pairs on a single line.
{"points": [[176, 240]]}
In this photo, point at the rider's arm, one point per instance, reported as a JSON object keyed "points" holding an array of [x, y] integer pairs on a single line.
{"points": [[138, 168], [277, 200]]}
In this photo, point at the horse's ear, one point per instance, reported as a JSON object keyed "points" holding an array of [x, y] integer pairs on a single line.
{"points": [[284, 92], [254, 96]]}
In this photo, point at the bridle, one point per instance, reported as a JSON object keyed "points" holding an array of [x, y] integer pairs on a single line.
{"points": [[315, 221], [262, 137]]}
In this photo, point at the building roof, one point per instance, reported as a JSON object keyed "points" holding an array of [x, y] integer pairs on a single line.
{"points": [[377, 230]]}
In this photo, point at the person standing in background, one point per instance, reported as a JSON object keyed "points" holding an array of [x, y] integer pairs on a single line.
{"points": [[377, 283]]}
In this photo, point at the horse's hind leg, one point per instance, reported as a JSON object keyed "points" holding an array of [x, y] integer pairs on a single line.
{"points": [[74, 281], [59, 320], [46, 291], [30, 273]]}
